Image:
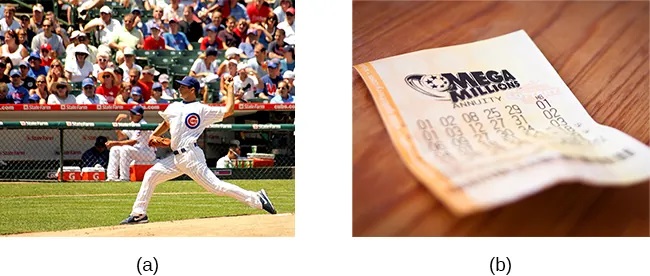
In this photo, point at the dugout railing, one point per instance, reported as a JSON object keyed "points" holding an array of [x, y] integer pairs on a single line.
{"points": [[36, 150]]}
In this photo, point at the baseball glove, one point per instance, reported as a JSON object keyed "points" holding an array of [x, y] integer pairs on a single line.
{"points": [[159, 142]]}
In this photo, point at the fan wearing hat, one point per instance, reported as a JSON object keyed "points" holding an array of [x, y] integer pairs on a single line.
{"points": [[156, 95], [61, 93], [98, 154], [215, 20], [53, 40], [289, 60], [17, 93], [246, 83], [129, 63], [211, 40], [146, 81], [205, 65], [89, 96], [232, 53], [47, 55], [290, 76], [130, 37], [75, 39], [176, 39], [289, 26], [109, 88], [136, 96], [81, 68], [38, 16], [106, 24], [270, 81], [247, 46], [169, 93], [258, 10], [26, 76], [130, 145], [155, 41], [35, 65]]}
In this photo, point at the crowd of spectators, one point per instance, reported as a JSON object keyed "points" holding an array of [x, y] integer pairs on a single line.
{"points": [[45, 60]]}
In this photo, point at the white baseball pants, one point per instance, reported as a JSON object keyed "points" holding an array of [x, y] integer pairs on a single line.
{"points": [[120, 157], [192, 163]]}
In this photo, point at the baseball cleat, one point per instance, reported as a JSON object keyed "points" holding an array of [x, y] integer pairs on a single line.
{"points": [[135, 219], [266, 202]]}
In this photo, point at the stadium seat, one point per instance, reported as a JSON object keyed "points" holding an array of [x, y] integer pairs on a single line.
{"points": [[142, 61], [177, 72], [196, 45], [120, 12], [161, 63], [75, 85], [75, 92], [168, 53], [184, 60], [192, 53], [148, 14], [213, 91]]}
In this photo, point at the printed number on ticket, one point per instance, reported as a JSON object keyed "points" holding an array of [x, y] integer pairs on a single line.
{"points": [[482, 130]]}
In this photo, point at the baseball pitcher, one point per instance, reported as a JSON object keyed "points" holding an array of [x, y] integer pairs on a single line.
{"points": [[186, 121]]}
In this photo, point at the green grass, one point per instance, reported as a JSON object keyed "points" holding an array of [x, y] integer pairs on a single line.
{"points": [[42, 207]]}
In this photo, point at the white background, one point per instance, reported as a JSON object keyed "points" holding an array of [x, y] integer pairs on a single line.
{"points": [[323, 243]]}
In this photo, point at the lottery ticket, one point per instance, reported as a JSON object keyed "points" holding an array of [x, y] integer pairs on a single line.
{"points": [[486, 123]]}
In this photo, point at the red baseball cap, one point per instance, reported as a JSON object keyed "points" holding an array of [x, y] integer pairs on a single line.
{"points": [[46, 46], [291, 11]]}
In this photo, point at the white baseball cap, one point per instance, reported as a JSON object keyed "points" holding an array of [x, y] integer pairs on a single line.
{"points": [[242, 66], [38, 7], [289, 75], [128, 51], [151, 70], [105, 9], [163, 78], [81, 48], [232, 51], [75, 34]]}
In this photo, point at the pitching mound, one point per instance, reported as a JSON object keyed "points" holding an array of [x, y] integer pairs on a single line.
{"points": [[280, 225]]}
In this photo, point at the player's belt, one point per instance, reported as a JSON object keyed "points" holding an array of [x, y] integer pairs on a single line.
{"points": [[183, 150]]}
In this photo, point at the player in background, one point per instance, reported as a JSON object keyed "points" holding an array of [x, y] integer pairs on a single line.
{"points": [[131, 145], [186, 121]]}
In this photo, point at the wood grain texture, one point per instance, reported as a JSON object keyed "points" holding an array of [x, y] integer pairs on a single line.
{"points": [[600, 49]]}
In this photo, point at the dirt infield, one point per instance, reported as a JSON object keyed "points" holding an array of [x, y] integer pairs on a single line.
{"points": [[280, 225]]}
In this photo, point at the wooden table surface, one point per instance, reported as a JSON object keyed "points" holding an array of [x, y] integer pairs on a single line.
{"points": [[600, 49]]}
